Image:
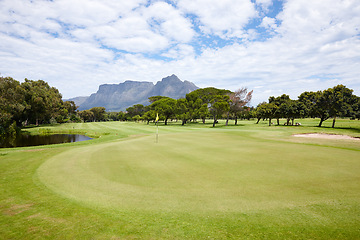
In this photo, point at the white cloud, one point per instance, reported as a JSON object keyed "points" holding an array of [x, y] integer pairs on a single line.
{"points": [[171, 23], [149, 29], [180, 51], [264, 4], [313, 46], [268, 23], [222, 18]]}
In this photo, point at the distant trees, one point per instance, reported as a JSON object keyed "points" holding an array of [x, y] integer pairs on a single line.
{"points": [[214, 103], [338, 101], [35, 102], [199, 104], [30, 102], [137, 109]]}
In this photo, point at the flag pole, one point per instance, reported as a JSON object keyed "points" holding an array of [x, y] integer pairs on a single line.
{"points": [[157, 127], [157, 132]]}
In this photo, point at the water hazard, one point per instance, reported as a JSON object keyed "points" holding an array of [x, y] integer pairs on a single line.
{"points": [[37, 140]]}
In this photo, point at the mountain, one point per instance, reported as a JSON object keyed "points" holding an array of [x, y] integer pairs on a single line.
{"points": [[118, 97], [77, 100]]}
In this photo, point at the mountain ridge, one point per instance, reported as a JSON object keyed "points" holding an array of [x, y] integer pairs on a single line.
{"points": [[118, 97]]}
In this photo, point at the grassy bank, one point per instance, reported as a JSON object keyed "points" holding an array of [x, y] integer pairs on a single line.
{"points": [[247, 181]]}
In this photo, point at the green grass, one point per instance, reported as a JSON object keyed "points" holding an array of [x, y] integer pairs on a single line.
{"points": [[236, 182]]}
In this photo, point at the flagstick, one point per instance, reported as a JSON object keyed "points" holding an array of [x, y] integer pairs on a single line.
{"points": [[157, 127], [157, 132]]}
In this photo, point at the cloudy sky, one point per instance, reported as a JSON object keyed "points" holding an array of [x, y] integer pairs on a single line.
{"points": [[269, 46]]}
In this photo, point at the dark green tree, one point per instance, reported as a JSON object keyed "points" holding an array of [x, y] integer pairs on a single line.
{"points": [[267, 110], [165, 107], [137, 109], [283, 99], [12, 102], [150, 115], [71, 107], [86, 115], [182, 110], [341, 101], [260, 111], [122, 116], [204, 98], [156, 98], [99, 113], [43, 102], [219, 105]]}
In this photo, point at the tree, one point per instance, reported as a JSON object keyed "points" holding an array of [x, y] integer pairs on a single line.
{"points": [[156, 98], [203, 112], [317, 105], [309, 99], [137, 109], [238, 100], [136, 118], [260, 111], [195, 109], [341, 101], [122, 116], [86, 115], [292, 109], [204, 98], [182, 110], [165, 107], [43, 102], [219, 104], [12, 102], [355, 108], [278, 101], [149, 116], [266, 110], [113, 116], [71, 107], [332, 102], [99, 113]]}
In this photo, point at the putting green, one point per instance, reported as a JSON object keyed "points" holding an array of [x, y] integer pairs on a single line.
{"points": [[197, 171]]}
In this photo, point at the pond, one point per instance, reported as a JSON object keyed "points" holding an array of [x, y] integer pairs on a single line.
{"points": [[25, 140]]}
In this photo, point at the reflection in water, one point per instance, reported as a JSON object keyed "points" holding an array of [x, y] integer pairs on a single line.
{"points": [[36, 140]]}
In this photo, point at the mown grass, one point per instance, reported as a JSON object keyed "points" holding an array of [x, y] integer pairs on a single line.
{"points": [[236, 182]]}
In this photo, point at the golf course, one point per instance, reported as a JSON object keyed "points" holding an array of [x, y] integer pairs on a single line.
{"points": [[249, 181]]}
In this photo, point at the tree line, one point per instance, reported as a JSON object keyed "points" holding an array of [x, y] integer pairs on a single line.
{"points": [[31, 102], [199, 104], [338, 101], [35, 102], [335, 102]]}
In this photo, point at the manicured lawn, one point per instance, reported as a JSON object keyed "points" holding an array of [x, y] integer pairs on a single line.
{"points": [[236, 182]]}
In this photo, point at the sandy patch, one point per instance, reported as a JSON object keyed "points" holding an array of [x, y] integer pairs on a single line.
{"points": [[326, 136], [33, 150], [17, 208]]}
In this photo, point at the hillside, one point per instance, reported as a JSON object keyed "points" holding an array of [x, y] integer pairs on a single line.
{"points": [[118, 97]]}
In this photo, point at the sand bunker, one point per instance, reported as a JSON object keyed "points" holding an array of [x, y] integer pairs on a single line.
{"points": [[326, 136]]}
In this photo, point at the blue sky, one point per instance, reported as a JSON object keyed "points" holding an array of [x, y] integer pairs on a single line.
{"points": [[269, 46]]}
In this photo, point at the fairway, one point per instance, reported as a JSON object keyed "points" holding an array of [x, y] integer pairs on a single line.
{"points": [[201, 171], [248, 181]]}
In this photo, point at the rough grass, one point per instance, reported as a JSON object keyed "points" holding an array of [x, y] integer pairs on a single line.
{"points": [[248, 181]]}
